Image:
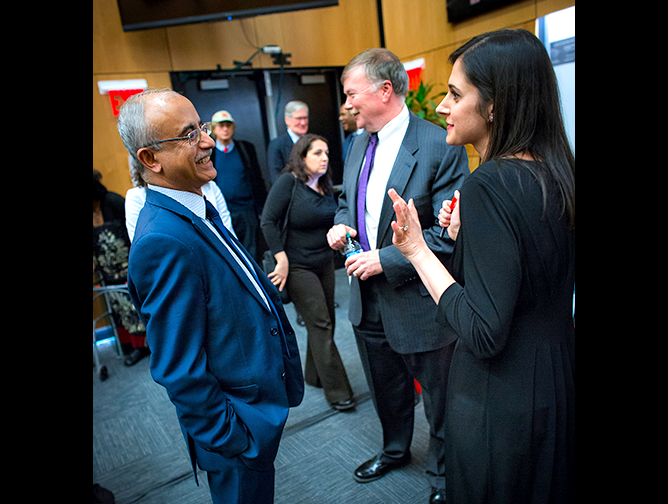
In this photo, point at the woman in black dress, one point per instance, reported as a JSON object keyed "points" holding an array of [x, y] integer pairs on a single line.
{"points": [[304, 263], [507, 292]]}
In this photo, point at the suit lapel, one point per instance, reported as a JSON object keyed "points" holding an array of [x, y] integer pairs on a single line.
{"points": [[401, 173], [204, 230], [174, 206]]}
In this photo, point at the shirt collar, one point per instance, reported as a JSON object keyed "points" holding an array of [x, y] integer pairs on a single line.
{"points": [[293, 135], [191, 201], [394, 125], [221, 147]]}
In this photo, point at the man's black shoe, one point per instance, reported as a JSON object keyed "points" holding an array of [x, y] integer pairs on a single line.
{"points": [[374, 469]]}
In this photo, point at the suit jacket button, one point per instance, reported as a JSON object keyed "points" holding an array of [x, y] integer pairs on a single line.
{"points": [[274, 331], [283, 376]]}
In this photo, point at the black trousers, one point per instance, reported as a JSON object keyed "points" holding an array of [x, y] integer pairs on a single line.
{"points": [[312, 292], [390, 377]]}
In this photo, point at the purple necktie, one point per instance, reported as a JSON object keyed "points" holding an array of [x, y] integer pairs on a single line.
{"points": [[361, 191]]}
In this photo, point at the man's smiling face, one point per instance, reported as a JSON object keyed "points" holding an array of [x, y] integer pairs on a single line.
{"points": [[364, 100], [179, 165]]}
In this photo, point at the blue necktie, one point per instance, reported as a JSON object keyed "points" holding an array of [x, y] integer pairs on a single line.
{"points": [[213, 215], [361, 192]]}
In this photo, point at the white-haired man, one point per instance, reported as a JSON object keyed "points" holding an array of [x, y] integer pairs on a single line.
{"points": [[278, 152]]}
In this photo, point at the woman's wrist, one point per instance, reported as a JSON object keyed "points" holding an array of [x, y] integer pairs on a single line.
{"points": [[281, 258]]}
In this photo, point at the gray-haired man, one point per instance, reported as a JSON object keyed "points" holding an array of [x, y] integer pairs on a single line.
{"points": [[278, 152]]}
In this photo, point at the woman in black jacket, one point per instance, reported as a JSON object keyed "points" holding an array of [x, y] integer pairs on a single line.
{"points": [[304, 262]]}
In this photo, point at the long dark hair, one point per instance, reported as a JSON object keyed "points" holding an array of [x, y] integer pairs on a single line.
{"points": [[513, 71], [297, 165]]}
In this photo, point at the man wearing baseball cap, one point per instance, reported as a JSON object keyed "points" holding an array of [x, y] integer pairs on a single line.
{"points": [[239, 178]]}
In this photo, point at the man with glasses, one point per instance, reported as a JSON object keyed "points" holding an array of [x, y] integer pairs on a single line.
{"points": [[221, 344], [278, 152]]}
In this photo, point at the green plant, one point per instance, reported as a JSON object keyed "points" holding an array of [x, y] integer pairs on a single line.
{"points": [[418, 103]]}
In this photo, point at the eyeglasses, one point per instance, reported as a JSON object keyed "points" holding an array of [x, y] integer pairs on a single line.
{"points": [[193, 137]]}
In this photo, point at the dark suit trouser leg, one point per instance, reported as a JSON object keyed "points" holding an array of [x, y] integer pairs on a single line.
{"points": [[392, 391], [390, 377], [236, 483]]}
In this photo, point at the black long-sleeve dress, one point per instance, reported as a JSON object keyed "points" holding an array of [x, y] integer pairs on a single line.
{"points": [[510, 420]]}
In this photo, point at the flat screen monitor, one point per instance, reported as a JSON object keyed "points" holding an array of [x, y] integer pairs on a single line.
{"points": [[459, 10], [145, 14]]}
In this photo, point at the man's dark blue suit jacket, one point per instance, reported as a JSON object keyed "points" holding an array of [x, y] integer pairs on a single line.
{"points": [[230, 368]]}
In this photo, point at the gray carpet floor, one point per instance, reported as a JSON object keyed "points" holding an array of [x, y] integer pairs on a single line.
{"points": [[139, 453]]}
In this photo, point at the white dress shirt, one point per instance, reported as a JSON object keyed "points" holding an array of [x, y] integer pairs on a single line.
{"points": [[293, 136], [135, 199], [389, 142]]}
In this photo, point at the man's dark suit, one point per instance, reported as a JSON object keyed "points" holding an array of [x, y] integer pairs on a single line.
{"points": [[278, 154], [392, 313], [229, 364]]}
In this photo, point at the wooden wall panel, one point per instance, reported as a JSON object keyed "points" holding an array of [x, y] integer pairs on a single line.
{"points": [[506, 17], [333, 35], [317, 37], [544, 7], [203, 46], [117, 51], [415, 27]]}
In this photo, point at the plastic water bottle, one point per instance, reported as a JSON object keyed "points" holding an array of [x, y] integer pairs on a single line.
{"points": [[352, 247]]}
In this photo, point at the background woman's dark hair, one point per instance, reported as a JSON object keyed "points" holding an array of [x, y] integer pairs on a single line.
{"points": [[297, 165], [512, 70]]}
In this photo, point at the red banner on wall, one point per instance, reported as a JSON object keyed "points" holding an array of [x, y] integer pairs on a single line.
{"points": [[414, 70], [117, 98]]}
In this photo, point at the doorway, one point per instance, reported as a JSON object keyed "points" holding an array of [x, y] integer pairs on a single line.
{"points": [[244, 94]]}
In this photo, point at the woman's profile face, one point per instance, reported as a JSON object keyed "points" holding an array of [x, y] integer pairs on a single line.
{"points": [[461, 112]]}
